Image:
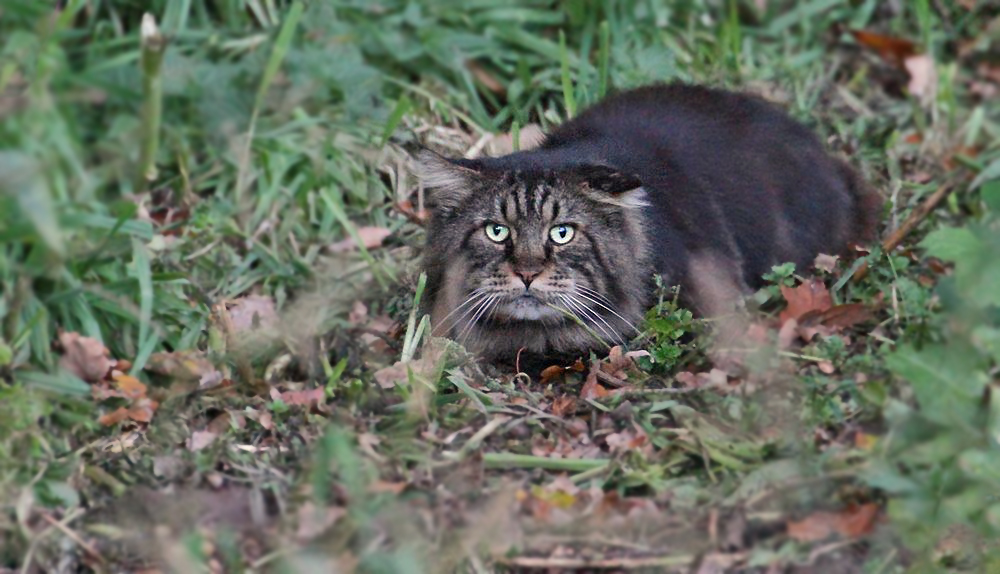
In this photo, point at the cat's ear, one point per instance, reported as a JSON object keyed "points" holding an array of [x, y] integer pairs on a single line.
{"points": [[448, 181], [609, 185]]}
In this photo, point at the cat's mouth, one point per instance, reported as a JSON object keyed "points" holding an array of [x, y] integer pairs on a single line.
{"points": [[527, 306]]}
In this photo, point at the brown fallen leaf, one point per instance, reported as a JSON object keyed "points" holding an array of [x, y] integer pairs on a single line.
{"points": [[142, 410], [114, 417], [382, 486], [839, 316], [85, 357], [893, 50], [826, 262], [811, 295], [551, 373], [852, 522], [200, 440], [129, 387], [563, 406], [303, 398], [591, 389], [371, 238], [251, 312], [418, 216], [314, 521]]}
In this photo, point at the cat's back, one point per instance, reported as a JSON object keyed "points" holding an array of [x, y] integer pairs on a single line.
{"points": [[696, 124], [725, 172]]}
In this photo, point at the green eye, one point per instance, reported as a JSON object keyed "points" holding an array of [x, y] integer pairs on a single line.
{"points": [[562, 234], [496, 232]]}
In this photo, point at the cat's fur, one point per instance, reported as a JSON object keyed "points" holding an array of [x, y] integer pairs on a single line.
{"points": [[707, 187]]}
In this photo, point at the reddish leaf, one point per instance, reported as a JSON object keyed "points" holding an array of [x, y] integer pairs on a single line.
{"points": [[85, 357], [380, 486], [114, 417], [550, 373], [591, 389], [130, 387], [564, 405], [853, 522], [839, 316], [303, 397], [371, 238], [812, 295], [419, 217], [891, 49], [142, 410]]}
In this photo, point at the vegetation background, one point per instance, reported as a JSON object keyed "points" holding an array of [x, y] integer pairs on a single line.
{"points": [[209, 359]]}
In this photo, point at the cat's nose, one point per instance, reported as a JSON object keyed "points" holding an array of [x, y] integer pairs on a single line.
{"points": [[528, 276]]}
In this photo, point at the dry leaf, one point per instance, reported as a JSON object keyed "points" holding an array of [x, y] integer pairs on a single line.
{"points": [[142, 410], [314, 521], [530, 136], [826, 262], [371, 238], [185, 365], [923, 77], [303, 398], [114, 417], [563, 406], [891, 49], [380, 486], [200, 440], [396, 373], [85, 357], [853, 522], [252, 311], [591, 389], [840, 316], [550, 373], [812, 295], [129, 387]]}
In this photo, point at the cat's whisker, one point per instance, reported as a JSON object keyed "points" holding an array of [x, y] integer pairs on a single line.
{"points": [[476, 296], [610, 331], [597, 298], [587, 315], [480, 310]]}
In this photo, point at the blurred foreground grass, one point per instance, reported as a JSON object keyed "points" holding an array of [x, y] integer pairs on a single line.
{"points": [[280, 167]]}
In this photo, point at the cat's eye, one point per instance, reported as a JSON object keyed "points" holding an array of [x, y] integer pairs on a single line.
{"points": [[497, 233], [562, 234]]}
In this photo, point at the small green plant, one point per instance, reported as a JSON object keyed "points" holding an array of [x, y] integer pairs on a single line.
{"points": [[665, 325]]}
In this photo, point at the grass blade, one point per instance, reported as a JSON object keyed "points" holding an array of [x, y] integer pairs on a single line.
{"points": [[567, 82]]}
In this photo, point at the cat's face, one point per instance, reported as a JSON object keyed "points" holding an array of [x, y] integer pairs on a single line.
{"points": [[530, 259]]}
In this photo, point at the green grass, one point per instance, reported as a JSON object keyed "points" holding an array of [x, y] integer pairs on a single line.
{"points": [[133, 200]]}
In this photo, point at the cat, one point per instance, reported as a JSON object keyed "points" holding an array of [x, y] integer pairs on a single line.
{"points": [[553, 251]]}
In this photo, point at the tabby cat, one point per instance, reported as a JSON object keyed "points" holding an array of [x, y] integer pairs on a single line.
{"points": [[553, 250]]}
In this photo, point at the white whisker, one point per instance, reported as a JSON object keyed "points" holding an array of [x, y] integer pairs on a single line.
{"points": [[588, 316], [595, 298]]}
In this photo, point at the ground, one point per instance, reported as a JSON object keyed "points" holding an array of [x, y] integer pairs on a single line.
{"points": [[210, 231]]}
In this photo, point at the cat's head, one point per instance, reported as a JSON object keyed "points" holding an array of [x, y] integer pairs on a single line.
{"points": [[536, 259]]}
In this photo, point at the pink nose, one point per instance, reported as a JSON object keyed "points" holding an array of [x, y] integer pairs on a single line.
{"points": [[527, 276]]}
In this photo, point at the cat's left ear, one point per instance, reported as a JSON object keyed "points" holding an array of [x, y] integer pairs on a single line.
{"points": [[611, 186], [449, 181]]}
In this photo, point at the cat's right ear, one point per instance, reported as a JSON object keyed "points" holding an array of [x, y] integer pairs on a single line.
{"points": [[448, 181]]}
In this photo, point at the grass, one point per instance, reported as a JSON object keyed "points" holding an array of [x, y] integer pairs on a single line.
{"points": [[142, 205]]}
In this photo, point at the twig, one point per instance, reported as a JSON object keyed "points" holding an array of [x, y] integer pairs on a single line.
{"points": [[915, 217], [153, 45], [624, 563], [72, 535]]}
